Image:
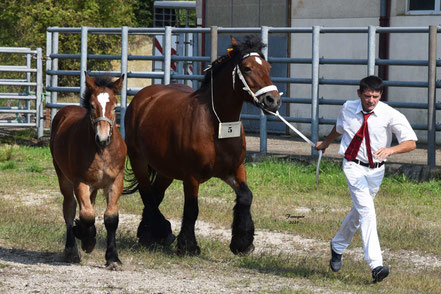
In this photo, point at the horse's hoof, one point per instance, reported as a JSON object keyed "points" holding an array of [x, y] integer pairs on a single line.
{"points": [[88, 244], [167, 241], [71, 255], [188, 252], [114, 266], [247, 251]]}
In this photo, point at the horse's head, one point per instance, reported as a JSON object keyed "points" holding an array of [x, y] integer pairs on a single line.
{"points": [[253, 73], [101, 102]]}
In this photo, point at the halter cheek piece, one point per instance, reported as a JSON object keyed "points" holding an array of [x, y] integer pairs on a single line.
{"points": [[261, 91], [111, 123]]}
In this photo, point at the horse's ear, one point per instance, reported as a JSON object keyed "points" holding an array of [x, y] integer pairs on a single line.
{"points": [[117, 85], [233, 42], [90, 83]]}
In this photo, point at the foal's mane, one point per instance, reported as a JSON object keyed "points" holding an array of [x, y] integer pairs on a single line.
{"points": [[250, 43], [101, 82]]}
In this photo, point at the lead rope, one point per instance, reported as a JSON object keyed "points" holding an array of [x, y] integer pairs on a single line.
{"points": [[212, 101], [317, 169]]}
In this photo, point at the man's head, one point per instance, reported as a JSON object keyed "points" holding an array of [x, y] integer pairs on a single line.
{"points": [[370, 92]]}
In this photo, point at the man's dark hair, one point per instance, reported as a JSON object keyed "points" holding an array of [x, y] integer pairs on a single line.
{"points": [[372, 83]]}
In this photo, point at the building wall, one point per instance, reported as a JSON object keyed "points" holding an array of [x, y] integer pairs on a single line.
{"points": [[402, 46], [246, 13]]}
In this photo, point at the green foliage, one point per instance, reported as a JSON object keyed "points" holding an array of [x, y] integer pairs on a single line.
{"points": [[143, 10], [24, 24]]}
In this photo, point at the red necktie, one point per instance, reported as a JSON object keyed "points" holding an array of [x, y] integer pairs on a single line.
{"points": [[354, 146]]}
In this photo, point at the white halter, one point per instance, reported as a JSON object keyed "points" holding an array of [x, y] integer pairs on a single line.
{"points": [[246, 87]]}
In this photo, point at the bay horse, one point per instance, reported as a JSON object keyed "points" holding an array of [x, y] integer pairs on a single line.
{"points": [[89, 154], [172, 133]]}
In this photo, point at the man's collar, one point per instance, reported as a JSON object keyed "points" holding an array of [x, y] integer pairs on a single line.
{"points": [[376, 111]]}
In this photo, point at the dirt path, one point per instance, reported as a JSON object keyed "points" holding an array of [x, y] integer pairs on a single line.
{"points": [[35, 272]]}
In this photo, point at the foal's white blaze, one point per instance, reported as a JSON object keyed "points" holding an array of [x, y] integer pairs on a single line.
{"points": [[103, 98], [103, 128], [258, 60]]}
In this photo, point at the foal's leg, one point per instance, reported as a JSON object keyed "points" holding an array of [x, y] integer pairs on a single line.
{"points": [[154, 228], [69, 209], [187, 243], [84, 228], [243, 226], [111, 220]]}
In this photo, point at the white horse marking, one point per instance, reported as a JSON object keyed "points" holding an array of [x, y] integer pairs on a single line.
{"points": [[258, 60], [103, 98]]}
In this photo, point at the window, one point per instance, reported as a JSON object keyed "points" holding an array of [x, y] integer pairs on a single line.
{"points": [[423, 7]]}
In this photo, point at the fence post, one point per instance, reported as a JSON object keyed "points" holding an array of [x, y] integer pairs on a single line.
{"points": [[48, 67], [315, 87], [39, 93], [54, 78], [124, 64], [28, 88], [263, 118], [371, 50], [431, 118], [167, 54], [83, 66], [213, 55]]}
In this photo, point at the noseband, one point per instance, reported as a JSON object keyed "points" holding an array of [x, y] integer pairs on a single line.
{"points": [[247, 88], [111, 123]]}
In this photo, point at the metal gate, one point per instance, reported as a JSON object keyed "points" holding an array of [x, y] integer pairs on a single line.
{"points": [[166, 75], [21, 90]]}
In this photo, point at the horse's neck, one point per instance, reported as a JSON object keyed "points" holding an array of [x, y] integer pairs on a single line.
{"points": [[227, 102]]}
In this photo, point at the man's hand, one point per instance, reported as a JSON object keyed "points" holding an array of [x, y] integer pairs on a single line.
{"points": [[321, 145], [383, 153], [404, 146]]}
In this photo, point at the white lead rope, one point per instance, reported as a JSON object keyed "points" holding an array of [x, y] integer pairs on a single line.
{"points": [[317, 169]]}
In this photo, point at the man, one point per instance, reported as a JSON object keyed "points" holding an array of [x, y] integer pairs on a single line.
{"points": [[367, 125]]}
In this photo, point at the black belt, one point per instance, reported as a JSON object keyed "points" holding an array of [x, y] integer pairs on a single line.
{"points": [[377, 164]]}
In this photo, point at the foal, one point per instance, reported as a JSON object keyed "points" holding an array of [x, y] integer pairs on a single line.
{"points": [[88, 154]]}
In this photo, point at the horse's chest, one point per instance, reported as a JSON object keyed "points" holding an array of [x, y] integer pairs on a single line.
{"points": [[102, 172]]}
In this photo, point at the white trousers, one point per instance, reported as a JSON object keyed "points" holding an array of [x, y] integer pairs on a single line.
{"points": [[363, 183]]}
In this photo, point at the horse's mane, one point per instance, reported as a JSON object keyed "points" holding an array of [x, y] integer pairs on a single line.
{"points": [[100, 81], [249, 44]]}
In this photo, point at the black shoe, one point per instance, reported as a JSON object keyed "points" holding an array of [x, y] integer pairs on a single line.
{"points": [[335, 261], [379, 273]]}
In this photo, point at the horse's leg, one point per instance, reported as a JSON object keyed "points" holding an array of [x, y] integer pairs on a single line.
{"points": [[84, 228], [154, 227], [69, 209], [243, 226], [111, 220], [187, 243]]}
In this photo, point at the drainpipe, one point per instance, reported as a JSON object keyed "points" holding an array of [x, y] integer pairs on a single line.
{"points": [[384, 41]]}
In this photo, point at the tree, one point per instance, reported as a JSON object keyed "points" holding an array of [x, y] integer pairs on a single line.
{"points": [[24, 22]]}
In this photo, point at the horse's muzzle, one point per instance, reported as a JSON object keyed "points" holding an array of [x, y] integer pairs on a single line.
{"points": [[102, 143], [270, 101]]}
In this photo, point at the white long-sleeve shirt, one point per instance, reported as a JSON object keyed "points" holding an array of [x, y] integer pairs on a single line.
{"points": [[384, 122]]}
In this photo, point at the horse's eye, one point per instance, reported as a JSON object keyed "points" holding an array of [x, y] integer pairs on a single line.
{"points": [[247, 70]]}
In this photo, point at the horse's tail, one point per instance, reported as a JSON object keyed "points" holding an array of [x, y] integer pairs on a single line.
{"points": [[129, 177]]}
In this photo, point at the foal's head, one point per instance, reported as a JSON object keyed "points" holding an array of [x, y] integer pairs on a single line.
{"points": [[100, 101]]}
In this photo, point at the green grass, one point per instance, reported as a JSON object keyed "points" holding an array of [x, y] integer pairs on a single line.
{"points": [[407, 214]]}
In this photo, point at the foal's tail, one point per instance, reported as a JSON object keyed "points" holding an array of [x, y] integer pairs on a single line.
{"points": [[129, 177]]}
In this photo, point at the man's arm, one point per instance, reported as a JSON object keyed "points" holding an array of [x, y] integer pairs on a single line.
{"points": [[405, 146], [322, 145]]}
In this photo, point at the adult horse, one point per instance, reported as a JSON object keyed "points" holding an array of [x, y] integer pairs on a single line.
{"points": [[89, 154], [172, 132]]}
